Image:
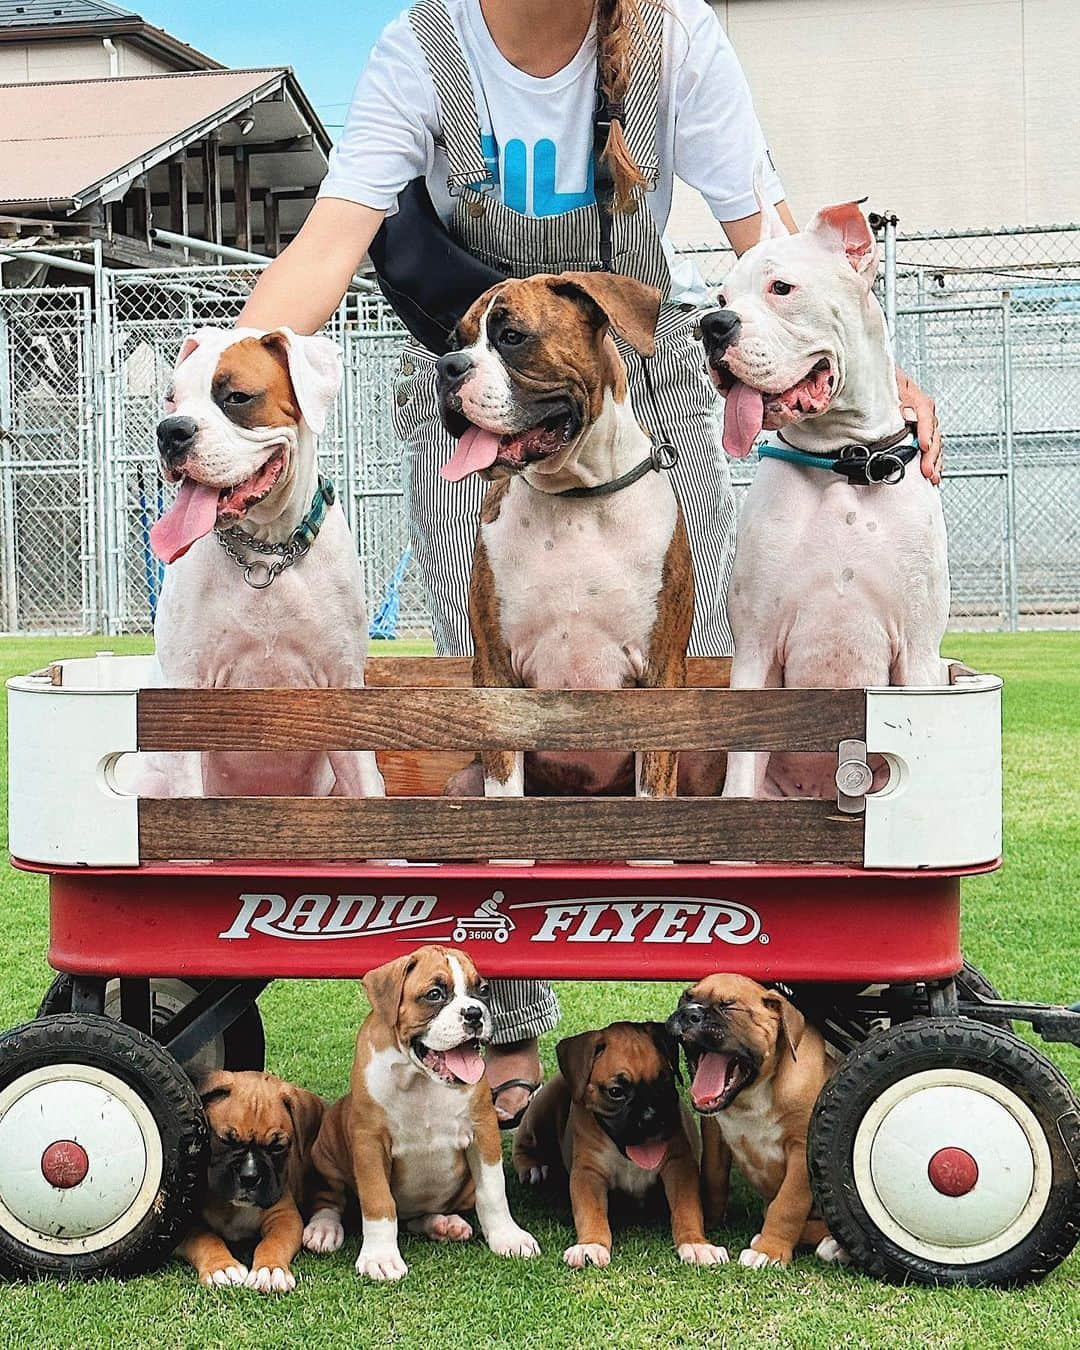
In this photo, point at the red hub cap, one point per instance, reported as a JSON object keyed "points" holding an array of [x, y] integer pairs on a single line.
{"points": [[64, 1164], [953, 1171]]}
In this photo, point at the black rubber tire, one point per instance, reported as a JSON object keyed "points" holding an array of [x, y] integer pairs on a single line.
{"points": [[244, 1043], [935, 1043], [972, 982], [167, 1092]]}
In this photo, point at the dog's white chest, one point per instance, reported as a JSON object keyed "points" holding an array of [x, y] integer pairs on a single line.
{"points": [[577, 581], [752, 1131]]}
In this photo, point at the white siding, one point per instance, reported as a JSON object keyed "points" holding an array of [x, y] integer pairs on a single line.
{"points": [[951, 113], [78, 59]]}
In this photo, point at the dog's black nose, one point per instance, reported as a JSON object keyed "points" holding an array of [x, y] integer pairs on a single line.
{"points": [[176, 436], [453, 367], [473, 1015], [249, 1168], [692, 1015], [719, 329]]}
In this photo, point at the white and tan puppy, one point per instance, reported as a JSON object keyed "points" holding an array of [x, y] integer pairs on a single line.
{"points": [[579, 580], [835, 584], [416, 1138], [244, 409]]}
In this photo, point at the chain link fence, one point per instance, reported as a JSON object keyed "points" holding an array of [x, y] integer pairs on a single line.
{"points": [[988, 323]]}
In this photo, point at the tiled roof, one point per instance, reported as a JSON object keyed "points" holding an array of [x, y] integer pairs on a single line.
{"points": [[49, 13]]}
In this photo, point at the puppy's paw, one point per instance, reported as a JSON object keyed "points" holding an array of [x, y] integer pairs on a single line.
{"points": [[532, 1174], [513, 1241], [230, 1273], [271, 1280], [324, 1232], [381, 1263], [702, 1254], [761, 1253], [830, 1251], [442, 1227], [584, 1254]]}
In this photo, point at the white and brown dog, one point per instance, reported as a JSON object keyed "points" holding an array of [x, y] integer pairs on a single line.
{"points": [[581, 575], [416, 1138], [244, 409], [841, 576]]}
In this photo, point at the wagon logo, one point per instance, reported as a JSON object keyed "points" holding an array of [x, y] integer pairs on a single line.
{"points": [[635, 918]]}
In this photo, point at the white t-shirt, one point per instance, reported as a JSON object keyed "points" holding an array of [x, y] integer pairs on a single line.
{"points": [[537, 133]]}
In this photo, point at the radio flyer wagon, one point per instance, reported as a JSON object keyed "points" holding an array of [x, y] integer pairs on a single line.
{"points": [[944, 1149]]}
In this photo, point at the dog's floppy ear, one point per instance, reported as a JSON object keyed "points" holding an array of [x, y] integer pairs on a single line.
{"points": [[668, 1046], [384, 986], [306, 1113], [629, 306], [772, 224], [214, 1087], [315, 370], [792, 1022], [575, 1055], [846, 229]]}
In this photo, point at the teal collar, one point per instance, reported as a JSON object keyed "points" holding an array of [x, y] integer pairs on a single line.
{"points": [[883, 463], [308, 529]]}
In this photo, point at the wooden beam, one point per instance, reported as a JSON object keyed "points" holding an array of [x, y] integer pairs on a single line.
{"points": [[242, 197], [212, 189], [455, 672], [689, 829], [271, 225], [177, 199], [228, 197], [282, 720], [289, 145], [141, 210], [122, 248]]}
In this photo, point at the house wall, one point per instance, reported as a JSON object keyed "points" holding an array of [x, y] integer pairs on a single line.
{"points": [[952, 113], [75, 59]]}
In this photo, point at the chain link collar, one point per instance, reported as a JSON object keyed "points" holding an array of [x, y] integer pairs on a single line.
{"points": [[259, 573]]}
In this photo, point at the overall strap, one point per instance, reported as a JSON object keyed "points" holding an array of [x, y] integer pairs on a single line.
{"points": [[434, 30], [639, 126]]}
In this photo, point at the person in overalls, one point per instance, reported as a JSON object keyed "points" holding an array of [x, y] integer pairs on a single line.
{"points": [[492, 102]]}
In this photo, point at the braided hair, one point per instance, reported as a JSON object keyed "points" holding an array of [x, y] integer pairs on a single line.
{"points": [[621, 41]]}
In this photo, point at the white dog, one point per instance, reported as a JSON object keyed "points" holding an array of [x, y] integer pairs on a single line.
{"points": [[263, 587], [841, 575]]}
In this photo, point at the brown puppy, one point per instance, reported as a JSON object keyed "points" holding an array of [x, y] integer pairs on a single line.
{"points": [[417, 1138], [613, 1120], [261, 1133], [757, 1069]]}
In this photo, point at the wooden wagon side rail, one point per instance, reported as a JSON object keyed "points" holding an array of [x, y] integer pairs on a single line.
{"points": [[439, 829], [490, 719]]}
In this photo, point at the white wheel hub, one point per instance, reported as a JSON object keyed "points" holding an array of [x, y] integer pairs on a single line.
{"points": [[952, 1166], [81, 1158]]}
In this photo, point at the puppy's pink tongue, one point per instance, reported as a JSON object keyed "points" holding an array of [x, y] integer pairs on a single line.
{"points": [[710, 1079], [475, 450], [465, 1063], [649, 1156], [193, 514], [744, 416]]}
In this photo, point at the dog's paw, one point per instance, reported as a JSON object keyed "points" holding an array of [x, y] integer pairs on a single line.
{"points": [[761, 1254], [324, 1232], [381, 1263], [224, 1276], [702, 1254], [587, 1254], [513, 1241], [449, 1228], [533, 1175], [271, 1280], [830, 1251]]}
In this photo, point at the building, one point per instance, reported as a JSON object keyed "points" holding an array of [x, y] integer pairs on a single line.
{"points": [[111, 128], [952, 113]]}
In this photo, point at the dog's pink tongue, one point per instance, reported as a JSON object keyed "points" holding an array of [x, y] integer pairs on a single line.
{"points": [[465, 1063], [192, 514], [475, 450], [709, 1079], [649, 1156], [744, 416]]}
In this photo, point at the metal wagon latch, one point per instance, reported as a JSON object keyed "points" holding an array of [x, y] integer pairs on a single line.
{"points": [[854, 777]]}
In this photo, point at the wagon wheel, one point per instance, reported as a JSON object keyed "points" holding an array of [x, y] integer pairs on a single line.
{"points": [[103, 1145], [942, 1151], [458, 935], [972, 982], [239, 1046]]}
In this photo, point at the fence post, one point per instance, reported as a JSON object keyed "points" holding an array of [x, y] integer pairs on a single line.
{"points": [[1010, 461], [890, 273]]}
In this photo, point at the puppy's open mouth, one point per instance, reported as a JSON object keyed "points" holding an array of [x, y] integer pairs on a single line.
{"points": [[480, 449], [719, 1077], [649, 1155], [461, 1064], [200, 507], [747, 411]]}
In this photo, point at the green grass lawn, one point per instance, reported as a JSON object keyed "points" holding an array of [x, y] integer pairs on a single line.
{"points": [[1020, 925]]}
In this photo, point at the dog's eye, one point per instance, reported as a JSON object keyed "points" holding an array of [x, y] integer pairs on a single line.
{"points": [[435, 995], [616, 1092], [483, 989], [512, 337], [238, 397], [781, 288]]}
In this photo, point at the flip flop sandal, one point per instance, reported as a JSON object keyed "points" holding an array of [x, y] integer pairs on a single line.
{"points": [[512, 1122]]}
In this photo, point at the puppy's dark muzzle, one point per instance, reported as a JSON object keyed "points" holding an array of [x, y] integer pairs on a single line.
{"points": [[451, 372], [687, 1022], [175, 439], [719, 330]]}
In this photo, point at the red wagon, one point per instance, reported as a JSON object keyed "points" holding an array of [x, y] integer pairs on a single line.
{"points": [[944, 1149]]}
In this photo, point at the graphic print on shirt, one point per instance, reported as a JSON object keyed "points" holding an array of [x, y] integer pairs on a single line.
{"points": [[515, 177]]}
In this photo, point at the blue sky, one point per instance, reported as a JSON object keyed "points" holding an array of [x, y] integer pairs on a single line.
{"points": [[325, 41]]}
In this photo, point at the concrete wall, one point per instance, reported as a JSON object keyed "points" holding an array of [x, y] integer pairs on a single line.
{"points": [[77, 59], [952, 113]]}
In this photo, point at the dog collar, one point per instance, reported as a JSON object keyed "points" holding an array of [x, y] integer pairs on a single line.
{"points": [[882, 464], [258, 573], [663, 456]]}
